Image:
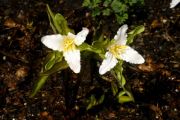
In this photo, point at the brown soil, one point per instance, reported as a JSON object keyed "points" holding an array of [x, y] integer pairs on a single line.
{"points": [[154, 84]]}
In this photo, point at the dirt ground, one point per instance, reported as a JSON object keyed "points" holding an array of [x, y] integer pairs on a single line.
{"points": [[154, 84]]}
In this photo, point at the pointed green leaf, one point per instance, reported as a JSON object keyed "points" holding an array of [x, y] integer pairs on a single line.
{"points": [[118, 74], [51, 59], [106, 3], [42, 79], [86, 3], [134, 32], [92, 102], [106, 12], [58, 22], [100, 100], [121, 93], [49, 11], [137, 30], [123, 81], [125, 96], [116, 6], [61, 24], [44, 76], [123, 99], [51, 18], [114, 88], [56, 67], [87, 47], [84, 46]]}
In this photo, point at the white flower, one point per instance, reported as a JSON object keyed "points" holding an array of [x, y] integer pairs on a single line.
{"points": [[174, 3], [119, 50], [68, 45]]}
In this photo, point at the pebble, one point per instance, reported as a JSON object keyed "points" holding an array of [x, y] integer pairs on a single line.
{"points": [[4, 58]]}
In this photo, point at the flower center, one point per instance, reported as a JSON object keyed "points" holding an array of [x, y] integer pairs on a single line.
{"points": [[116, 50], [69, 43]]}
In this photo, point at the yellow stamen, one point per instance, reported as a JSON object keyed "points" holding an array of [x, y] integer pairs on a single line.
{"points": [[69, 43], [116, 50]]}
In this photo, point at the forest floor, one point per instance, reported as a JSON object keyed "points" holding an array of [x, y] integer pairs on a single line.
{"points": [[154, 84]]}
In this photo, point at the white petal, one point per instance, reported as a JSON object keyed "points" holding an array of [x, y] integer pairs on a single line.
{"points": [[73, 59], [108, 63], [53, 42], [71, 35], [174, 3], [121, 36], [81, 36], [132, 56]]}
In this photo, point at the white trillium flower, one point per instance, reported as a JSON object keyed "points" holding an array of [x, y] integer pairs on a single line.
{"points": [[174, 3], [68, 45], [119, 50]]}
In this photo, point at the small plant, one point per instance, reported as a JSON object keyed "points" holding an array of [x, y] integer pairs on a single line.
{"points": [[118, 8], [66, 48], [119, 50]]}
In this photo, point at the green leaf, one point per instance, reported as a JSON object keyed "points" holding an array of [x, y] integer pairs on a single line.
{"points": [[61, 24], [42, 79], [114, 88], [59, 56], [102, 44], [51, 59], [101, 99], [98, 37], [134, 32], [44, 76], [96, 12], [121, 93], [121, 18], [125, 96], [96, 3], [91, 3], [107, 3], [122, 81], [49, 11], [116, 6], [58, 22], [118, 74], [56, 67], [93, 101], [86, 3], [137, 30], [133, 2], [51, 18], [87, 47], [123, 99], [106, 12]]}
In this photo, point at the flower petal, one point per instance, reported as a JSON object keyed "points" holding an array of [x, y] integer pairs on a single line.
{"points": [[132, 56], [174, 3], [121, 36], [108, 63], [81, 36], [71, 35], [73, 59], [53, 42]]}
